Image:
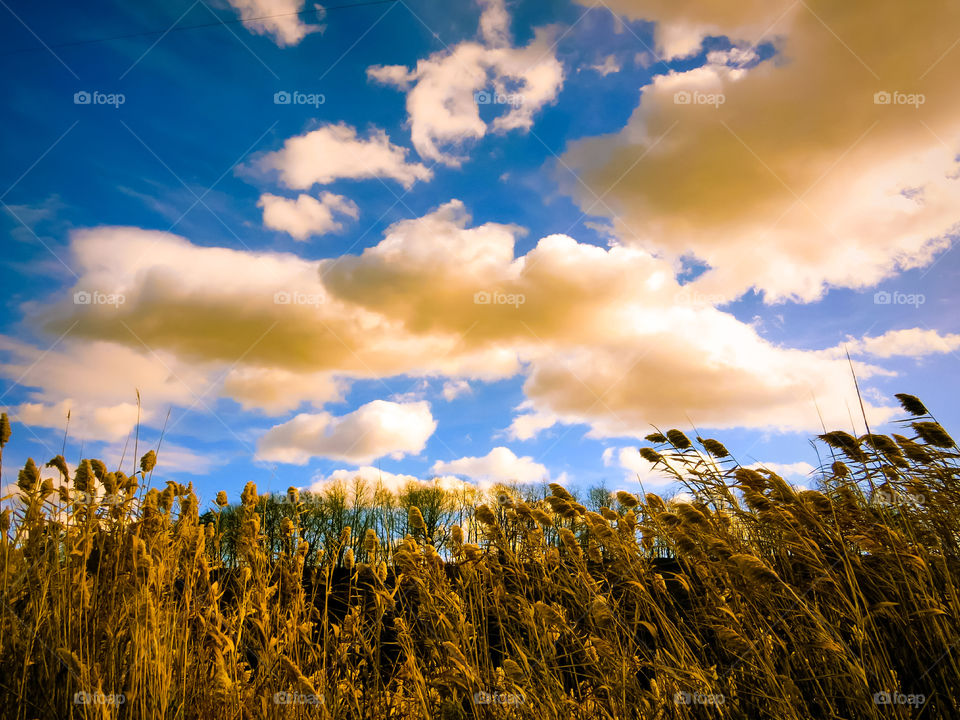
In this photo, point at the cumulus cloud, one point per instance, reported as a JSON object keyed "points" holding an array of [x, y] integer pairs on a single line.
{"points": [[97, 382], [106, 422], [912, 342], [605, 336], [171, 458], [444, 91], [373, 478], [528, 425], [609, 66], [452, 389], [306, 215], [719, 163], [280, 19], [374, 430], [637, 468], [499, 465], [332, 152], [786, 470], [276, 391]]}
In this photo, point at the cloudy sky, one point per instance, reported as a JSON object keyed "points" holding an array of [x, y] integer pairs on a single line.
{"points": [[486, 240]]}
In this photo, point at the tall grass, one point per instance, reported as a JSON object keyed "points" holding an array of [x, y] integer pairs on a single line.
{"points": [[746, 598]]}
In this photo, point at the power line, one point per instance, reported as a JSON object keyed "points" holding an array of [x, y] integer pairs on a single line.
{"points": [[218, 23]]}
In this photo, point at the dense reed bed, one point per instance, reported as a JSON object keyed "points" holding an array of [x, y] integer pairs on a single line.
{"points": [[744, 598]]}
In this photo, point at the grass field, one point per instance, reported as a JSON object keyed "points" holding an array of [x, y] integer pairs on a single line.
{"points": [[753, 599]]}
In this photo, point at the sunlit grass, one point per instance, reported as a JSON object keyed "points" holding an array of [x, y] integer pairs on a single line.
{"points": [[754, 599]]}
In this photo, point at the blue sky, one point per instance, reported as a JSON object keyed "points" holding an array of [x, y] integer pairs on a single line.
{"points": [[679, 263]]}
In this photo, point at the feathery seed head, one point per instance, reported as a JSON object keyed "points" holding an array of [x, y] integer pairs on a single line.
{"points": [[84, 478], [28, 478], [99, 469], [678, 439], [60, 464], [650, 455], [485, 515], [415, 518], [4, 429], [249, 495], [148, 462], [370, 540], [933, 434], [714, 447], [626, 499], [912, 404]]}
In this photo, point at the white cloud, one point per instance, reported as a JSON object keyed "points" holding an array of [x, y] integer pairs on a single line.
{"points": [[172, 458], [605, 337], [374, 430], [843, 194], [452, 389], [306, 215], [97, 382], [499, 465], [638, 468], [528, 425], [278, 18], [277, 391], [609, 66], [376, 477], [912, 342], [333, 152], [785, 470], [442, 100], [106, 422]]}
